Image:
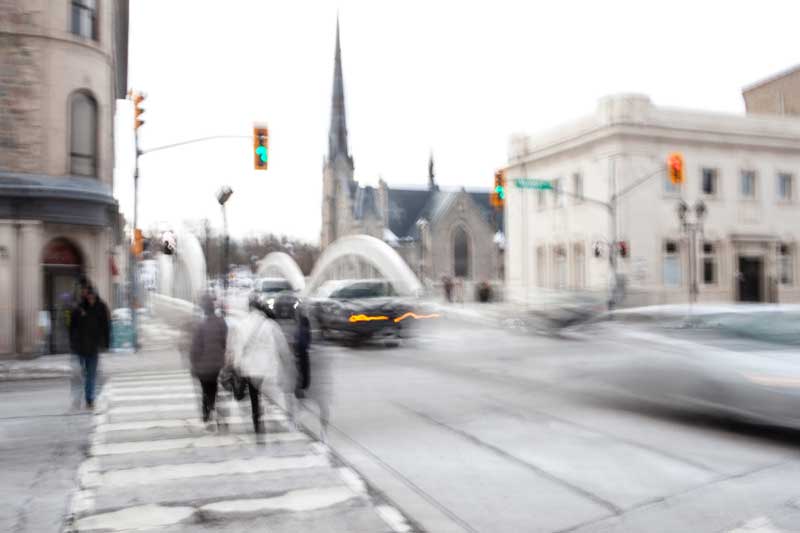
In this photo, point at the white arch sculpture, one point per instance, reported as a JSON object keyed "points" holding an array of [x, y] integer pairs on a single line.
{"points": [[285, 265], [370, 250]]}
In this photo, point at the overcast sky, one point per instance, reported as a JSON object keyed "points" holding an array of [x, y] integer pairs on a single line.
{"points": [[457, 78]]}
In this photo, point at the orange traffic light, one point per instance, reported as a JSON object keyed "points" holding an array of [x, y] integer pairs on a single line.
{"points": [[138, 243], [675, 168], [260, 147], [498, 195], [137, 98]]}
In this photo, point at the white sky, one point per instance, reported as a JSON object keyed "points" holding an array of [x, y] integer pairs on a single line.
{"points": [[455, 77]]}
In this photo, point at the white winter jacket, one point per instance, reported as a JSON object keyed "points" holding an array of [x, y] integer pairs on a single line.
{"points": [[258, 349]]}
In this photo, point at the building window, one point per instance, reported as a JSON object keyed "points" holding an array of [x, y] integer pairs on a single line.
{"points": [[578, 266], [558, 192], [786, 264], [709, 256], [577, 187], [672, 264], [83, 135], [540, 267], [84, 18], [785, 187], [709, 182], [747, 185], [460, 253], [559, 267], [540, 199]]}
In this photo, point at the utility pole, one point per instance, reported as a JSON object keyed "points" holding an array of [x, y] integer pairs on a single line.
{"points": [[133, 275]]}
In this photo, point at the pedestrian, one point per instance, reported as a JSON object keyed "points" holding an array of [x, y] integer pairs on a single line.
{"points": [[302, 342], [448, 288], [90, 334], [314, 376], [261, 356], [207, 355]]}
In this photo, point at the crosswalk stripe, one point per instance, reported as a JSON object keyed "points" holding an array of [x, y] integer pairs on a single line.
{"points": [[167, 374], [206, 441], [226, 406], [171, 472], [115, 397], [189, 423]]}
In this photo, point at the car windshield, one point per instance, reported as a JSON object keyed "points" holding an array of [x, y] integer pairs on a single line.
{"points": [[365, 289], [274, 286]]}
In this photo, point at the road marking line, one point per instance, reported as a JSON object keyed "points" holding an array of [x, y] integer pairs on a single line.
{"points": [[115, 397], [161, 473], [188, 423], [393, 518], [206, 441], [294, 500], [135, 518]]}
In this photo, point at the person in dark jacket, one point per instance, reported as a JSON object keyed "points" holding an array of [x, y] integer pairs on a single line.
{"points": [[90, 333], [207, 354], [302, 341]]}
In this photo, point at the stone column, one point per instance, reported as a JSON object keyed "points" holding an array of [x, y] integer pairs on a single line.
{"points": [[29, 285], [8, 259]]}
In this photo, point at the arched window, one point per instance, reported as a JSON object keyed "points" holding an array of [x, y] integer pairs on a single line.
{"points": [[83, 135], [461, 253]]}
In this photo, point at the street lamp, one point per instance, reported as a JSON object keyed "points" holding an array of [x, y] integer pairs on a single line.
{"points": [[692, 228], [222, 196]]}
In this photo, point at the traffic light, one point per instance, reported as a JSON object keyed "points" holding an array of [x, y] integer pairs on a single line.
{"points": [[260, 147], [498, 195], [675, 168], [138, 242], [623, 249], [137, 98]]}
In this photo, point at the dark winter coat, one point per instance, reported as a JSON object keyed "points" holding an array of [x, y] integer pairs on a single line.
{"points": [[208, 346], [90, 328]]}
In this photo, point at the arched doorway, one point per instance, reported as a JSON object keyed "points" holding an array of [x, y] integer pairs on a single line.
{"points": [[461, 258], [62, 266]]}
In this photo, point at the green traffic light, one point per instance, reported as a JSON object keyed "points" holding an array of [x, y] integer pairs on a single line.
{"points": [[261, 151], [501, 191]]}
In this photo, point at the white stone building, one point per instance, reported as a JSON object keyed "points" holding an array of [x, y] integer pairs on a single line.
{"points": [[62, 66], [744, 168]]}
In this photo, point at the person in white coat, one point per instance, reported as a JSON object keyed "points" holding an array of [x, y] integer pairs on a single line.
{"points": [[260, 354]]}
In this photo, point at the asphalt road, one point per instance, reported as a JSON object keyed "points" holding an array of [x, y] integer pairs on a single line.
{"points": [[471, 429], [41, 445]]}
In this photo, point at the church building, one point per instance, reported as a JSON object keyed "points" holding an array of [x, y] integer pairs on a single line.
{"points": [[453, 233]]}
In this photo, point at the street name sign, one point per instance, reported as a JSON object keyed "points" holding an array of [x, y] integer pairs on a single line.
{"points": [[530, 183]]}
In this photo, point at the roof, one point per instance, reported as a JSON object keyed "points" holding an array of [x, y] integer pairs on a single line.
{"points": [[405, 206], [770, 79]]}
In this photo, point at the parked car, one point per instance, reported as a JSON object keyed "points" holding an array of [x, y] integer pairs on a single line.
{"points": [[276, 294], [359, 309]]}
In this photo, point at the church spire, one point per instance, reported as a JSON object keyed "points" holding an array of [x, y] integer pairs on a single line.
{"points": [[337, 135], [431, 177]]}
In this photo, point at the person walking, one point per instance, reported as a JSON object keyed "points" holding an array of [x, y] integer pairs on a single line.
{"points": [[90, 334], [261, 356], [314, 375], [207, 354]]}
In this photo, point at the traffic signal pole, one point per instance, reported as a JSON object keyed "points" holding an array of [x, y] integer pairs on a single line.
{"points": [[611, 207]]}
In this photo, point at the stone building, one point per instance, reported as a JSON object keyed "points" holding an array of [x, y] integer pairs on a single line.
{"points": [[439, 233], [776, 95], [743, 167], [62, 66]]}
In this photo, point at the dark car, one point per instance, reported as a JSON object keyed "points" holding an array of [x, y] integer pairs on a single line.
{"points": [[276, 294], [360, 309]]}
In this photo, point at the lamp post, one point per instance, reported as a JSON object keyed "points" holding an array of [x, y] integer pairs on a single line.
{"points": [[222, 196], [691, 229]]}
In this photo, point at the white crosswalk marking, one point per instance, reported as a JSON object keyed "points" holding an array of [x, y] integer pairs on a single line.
{"points": [[150, 456]]}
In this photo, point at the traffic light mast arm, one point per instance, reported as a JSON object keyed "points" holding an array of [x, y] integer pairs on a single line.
{"points": [[638, 182], [192, 141]]}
